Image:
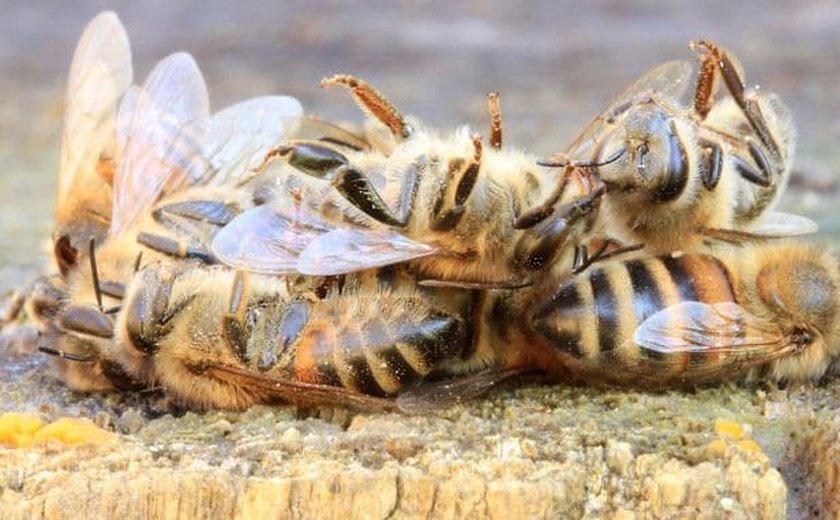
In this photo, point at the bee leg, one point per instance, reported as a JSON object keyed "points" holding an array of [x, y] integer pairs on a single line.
{"points": [[234, 325], [582, 261], [707, 78], [713, 158], [13, 308], [447, 219], [372, 102], [495, 120], [212, 212], [65, 355], [712, 56], [534, 216], [325, 163], [148, 316], [175, 248], [762, 175], [87, 320], [536, 250]]}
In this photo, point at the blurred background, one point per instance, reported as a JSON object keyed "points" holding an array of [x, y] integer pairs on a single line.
{"points": [[556, 63]]}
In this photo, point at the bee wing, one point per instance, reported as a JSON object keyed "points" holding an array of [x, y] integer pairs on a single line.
{"points": [[99, 74], [728, 332], [670, 80], [318, 129], [776, 224], [434, 395], [773, 224], [242, 134], [160, 130], [264, 240], [297, 392], [346, 250]]}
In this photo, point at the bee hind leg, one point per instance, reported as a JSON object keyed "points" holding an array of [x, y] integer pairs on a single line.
{"points": [[713, 61]]}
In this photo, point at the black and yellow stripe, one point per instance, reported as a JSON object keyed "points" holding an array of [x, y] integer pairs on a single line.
{"points": [[591, 319]]}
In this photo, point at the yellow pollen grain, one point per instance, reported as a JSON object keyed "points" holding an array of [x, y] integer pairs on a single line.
{"points": [[17, 429], [729, 429]]}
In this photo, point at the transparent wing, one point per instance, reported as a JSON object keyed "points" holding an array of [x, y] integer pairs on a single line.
{"points": [[297, 392], [241, 135], [160, 131], [669, 80], [776, 224], [99, 74], [264, 240], [434, 395], [348, 250], [731, 336]]}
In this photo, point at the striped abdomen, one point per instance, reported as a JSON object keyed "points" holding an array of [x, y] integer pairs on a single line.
{"points": [[374, 344], [590, 320]]}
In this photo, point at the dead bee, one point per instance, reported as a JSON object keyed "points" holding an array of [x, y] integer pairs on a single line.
{"points": [[172, 167], [463, 214], [215, 337], [765, 311], [684, 174], [218, 338]]}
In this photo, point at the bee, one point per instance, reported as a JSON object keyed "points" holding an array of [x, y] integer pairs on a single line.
{"points": [[172, 167], [474, 216], [454, 208], [214, 337], [684, 174], [220, 338], [766, 312]]}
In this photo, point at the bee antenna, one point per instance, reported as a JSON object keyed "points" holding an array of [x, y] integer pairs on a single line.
{"points": [[65, 355], [566, 162], [94, 272]]}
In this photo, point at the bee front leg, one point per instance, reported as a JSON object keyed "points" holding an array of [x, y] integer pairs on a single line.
{"points": [[325, 163]]}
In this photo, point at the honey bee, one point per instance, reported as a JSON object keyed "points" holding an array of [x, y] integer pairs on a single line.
{"points": [[482, 217], [220, 338], [456, 209], [765, 312], [172, 165], [684, 174]]}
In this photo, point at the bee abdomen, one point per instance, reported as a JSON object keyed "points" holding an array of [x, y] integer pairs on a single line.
{"points": [[591, 319], [343, 345]]}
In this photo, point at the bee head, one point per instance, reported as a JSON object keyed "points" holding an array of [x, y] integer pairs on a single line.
{"points": [[654, 167], [804, 290], [800, 286]]}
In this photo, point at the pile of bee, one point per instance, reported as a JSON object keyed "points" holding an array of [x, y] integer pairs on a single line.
{"points": [[258, 254]]}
